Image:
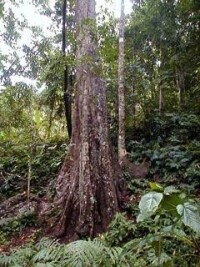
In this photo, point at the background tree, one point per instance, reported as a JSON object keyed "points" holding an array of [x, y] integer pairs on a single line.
{"points": [[121, 100], [158, 52]]}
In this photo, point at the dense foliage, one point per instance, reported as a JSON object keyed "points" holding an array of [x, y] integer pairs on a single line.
{"points": [[160, 226]]}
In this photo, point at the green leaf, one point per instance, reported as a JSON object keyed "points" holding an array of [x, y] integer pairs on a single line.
{"points": [[162, 260], [156, 187], [149, 204], [143, 216], [170, 203], [190, 216], [170, 189]]}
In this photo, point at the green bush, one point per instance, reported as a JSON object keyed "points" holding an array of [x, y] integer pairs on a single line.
{"points": [[15, 225], [14, 160], [172, 146], [120, 230]]}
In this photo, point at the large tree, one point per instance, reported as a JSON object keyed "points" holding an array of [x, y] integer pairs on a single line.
{"points": [[86, 191]]}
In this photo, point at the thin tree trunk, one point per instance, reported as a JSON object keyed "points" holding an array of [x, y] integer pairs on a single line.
{"points": [[180, 83], [86, 193], [160, 98], [66, 86], [160, 84], [121, 102], [135, 170]]}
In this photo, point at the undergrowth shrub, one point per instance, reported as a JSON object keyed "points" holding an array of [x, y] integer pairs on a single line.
{"points": [[15, 225], [166, 234], [120, 230], [167, 229], [81, 253], [172, 146], [45, 163]]}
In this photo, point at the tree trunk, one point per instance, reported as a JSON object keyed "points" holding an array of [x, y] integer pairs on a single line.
{"points": [[66, 85], [180, 83], [135, 170], [86, 191], [121, 102], [160, 84], [161, 103]]}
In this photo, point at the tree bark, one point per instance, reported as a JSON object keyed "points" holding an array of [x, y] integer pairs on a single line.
{"points": [[66, 85], [121, 101], [86, 192]]}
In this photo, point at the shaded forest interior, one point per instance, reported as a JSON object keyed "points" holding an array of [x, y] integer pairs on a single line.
{"points": [[100, 135]]}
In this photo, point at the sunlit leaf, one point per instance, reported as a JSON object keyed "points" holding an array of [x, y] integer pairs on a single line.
{"points": [[155, 186], [150, 202]]}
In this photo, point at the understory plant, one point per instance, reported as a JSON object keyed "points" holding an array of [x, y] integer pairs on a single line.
{"points": [[166, 234], [14, 168], [171, 144], [173, 221], [81, 253], [14, 226]]}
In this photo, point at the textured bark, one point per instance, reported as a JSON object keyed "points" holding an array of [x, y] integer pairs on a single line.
{"points": [[121, 102], [86, 192]]}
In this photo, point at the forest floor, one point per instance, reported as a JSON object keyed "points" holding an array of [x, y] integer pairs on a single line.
{"points": [[172, 153], [30, 234]]}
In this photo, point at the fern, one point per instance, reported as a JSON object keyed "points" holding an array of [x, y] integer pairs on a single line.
{"points": [[94, 253], [47, 253], [18, 256], [81, 253]]}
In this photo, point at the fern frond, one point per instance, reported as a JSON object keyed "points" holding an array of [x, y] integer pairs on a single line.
{"points": [[114, 254], [17, 257], [81, 253], [89, 253], [48, 251], [4, 260]]}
